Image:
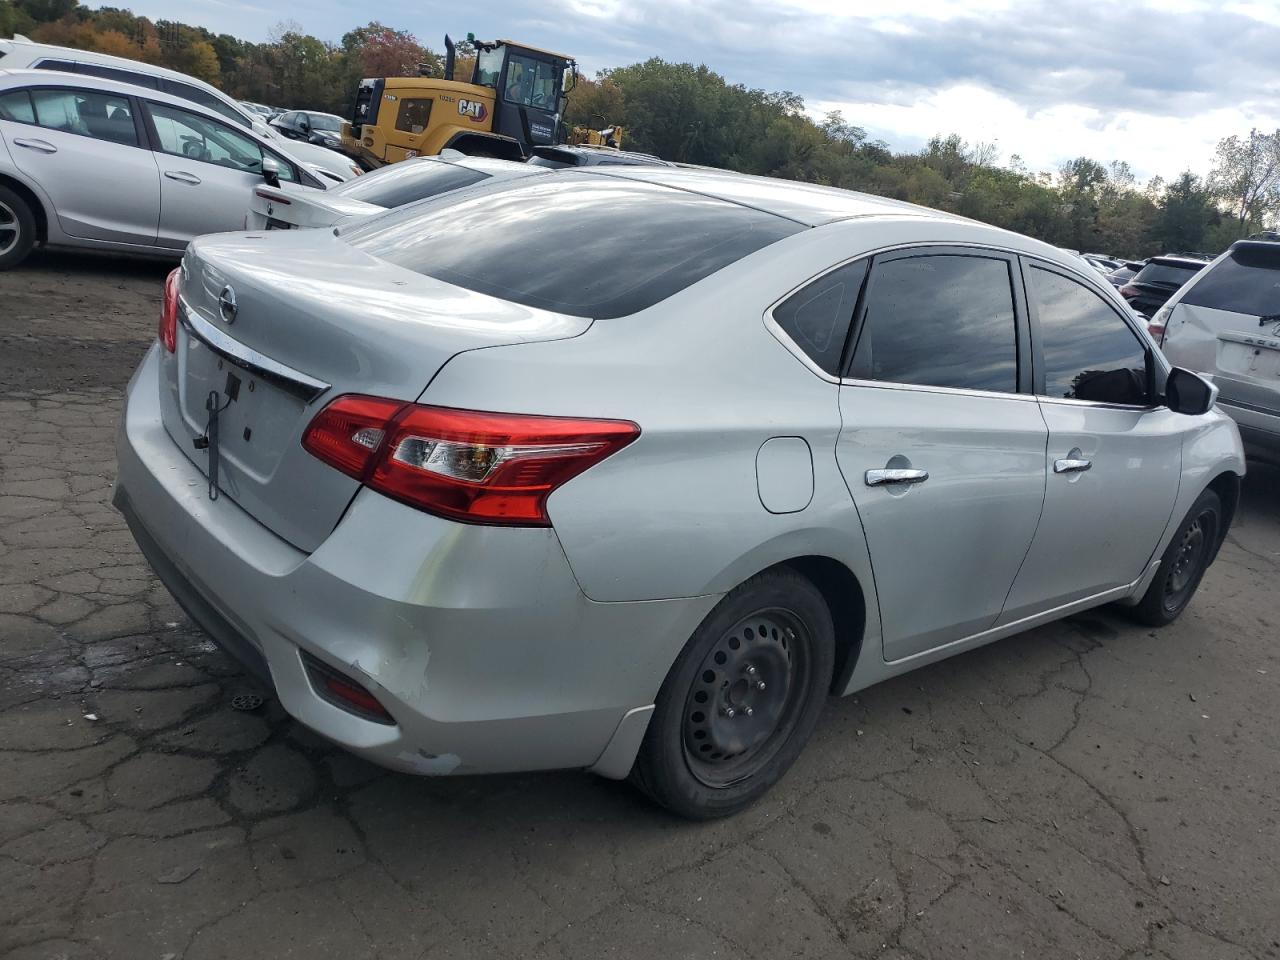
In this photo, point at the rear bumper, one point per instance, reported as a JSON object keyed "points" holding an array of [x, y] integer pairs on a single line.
{"points": [[1259, 429], [477, 640]]}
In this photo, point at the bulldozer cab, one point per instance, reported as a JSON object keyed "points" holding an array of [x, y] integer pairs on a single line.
{"points": [[529, 87]]}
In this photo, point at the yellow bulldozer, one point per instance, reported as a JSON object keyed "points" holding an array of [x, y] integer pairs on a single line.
{"points": [[512, 104]]}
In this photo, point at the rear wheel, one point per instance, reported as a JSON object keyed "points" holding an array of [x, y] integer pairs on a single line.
{"points": [[741, 700], [17, 229], [1183, 564]]}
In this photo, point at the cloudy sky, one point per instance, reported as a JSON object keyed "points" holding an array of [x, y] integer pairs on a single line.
{"points": [[1155, 84]]}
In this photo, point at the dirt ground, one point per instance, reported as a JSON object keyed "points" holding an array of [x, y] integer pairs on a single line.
{"points": [[1092, 789]]}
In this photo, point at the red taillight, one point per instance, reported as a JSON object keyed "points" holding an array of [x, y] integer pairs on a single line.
{"points": [[1157, 331], [168, 331], [466, 465], [273, 197], [1128, 292]]}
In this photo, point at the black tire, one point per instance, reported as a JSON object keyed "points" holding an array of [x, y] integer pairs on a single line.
{"points": [[741, 700], [1183, 565], [17, 229]]}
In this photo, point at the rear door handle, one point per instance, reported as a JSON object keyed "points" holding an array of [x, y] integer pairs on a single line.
{"points": [[44, 146], [1071, 465], [182, 176], [879, 478]]}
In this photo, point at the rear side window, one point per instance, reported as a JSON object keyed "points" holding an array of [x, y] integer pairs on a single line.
{"points": [[940, 321], [1247, 281], [16, 106], [585, 245], [411, 180], [1089, 352], [817, 316], [114, 73], [1166, 274]]}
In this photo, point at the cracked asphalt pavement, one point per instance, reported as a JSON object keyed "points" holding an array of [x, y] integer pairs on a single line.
{"points": [[1092, 789]]}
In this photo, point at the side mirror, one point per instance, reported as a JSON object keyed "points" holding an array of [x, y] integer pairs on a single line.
{"points": [[271, 171], [1190, 393]]}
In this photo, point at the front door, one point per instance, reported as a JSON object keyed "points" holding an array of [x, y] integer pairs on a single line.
{"points": [[1114, 458], [208, 170], [72, 143], [942, 444]]}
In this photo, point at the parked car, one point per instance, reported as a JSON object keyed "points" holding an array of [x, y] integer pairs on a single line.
{"points": [[93, 163], [584, 155], [1225, 323], [322, 129], [20, 53], [1158, 279], [260, 109], [289, 206], [710, 498], [1125, 272], [1103, 264]]}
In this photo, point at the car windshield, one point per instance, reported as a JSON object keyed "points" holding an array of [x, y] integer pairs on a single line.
{"points": [[584, 245], [1247, 281], [408, 181], [323, 121], [1167, 274]]}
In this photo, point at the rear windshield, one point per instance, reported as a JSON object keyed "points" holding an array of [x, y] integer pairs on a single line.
{"points": [[408, 181], [585, 245], [1166, 274], [1247, 281]]}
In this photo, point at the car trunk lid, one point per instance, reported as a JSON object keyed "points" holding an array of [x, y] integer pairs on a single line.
{"points": [[272, 328]]}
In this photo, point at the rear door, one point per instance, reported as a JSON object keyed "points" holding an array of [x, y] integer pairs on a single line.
{"points": [[1114, 460], [942, 444], [72, 142], [208, 170]]}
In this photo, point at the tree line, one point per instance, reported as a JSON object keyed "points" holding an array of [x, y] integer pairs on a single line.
{"points": [[690, 113]]}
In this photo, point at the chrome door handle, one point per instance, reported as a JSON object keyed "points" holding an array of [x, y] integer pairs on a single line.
{"points": [[1071, 465], [182, 176], [44, 146], [878, 478]]}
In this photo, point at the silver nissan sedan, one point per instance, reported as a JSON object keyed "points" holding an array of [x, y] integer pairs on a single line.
{"points": [[628, 469]]}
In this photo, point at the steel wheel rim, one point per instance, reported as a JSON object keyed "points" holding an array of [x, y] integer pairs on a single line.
{"points": [[1187, 564], [746, 696], [10, 230]]}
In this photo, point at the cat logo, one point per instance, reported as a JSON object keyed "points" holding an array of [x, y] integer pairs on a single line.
{"points": [[473, 109]]}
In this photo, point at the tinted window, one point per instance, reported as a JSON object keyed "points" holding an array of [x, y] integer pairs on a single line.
{"points": [[68, 66], [205, 99], [323, 121], [408, 181], [817, 316], [414, 115], [1247, 281], [122, 76], [17, 106], [102, 116], [584, 245], [1089, 352], [940, 321], [1166, 274], [190, 135]]}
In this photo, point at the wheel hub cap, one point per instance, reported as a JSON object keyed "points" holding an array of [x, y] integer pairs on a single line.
{"points": [[8, 229]]}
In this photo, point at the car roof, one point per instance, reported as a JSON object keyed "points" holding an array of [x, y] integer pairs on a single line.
{"points": [[807, 203], [53, 50], [84, 81]]}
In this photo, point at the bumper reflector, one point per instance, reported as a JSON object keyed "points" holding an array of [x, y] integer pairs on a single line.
{"points": [[343, 692]]}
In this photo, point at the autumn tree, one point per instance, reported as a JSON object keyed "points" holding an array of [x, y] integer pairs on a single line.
{"points": [[1246, 176]]}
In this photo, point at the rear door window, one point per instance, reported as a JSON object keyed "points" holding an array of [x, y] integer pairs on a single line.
{"points": [[16, 106], [408, 181], [940, 321], [1246, 281], [585, 245], [817, 316], [102, 116], [1089, 352]]}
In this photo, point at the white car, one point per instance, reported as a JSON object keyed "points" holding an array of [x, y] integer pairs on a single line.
{"points": [[289, 205], [21, 53], [95, 164]]}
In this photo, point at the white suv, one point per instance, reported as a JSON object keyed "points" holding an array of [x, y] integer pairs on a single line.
{"points": [[1225, 323], [21, 53]]}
